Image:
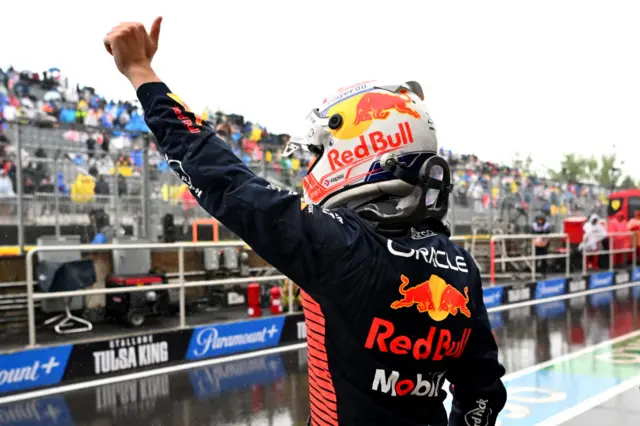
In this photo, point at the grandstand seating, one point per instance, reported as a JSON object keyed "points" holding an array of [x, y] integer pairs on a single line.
{"points": [[81, 151]]}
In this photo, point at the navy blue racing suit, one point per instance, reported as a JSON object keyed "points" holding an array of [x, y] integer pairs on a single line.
{"points": [[389, 319]]}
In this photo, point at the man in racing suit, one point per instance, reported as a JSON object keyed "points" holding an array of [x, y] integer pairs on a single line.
{"points": [[391, 311]]}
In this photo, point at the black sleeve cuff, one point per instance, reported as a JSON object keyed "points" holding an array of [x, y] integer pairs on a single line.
{"points": [[148, 91]]}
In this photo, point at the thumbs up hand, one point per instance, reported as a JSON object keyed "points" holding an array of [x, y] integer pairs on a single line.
{"points": [[133, 49]]}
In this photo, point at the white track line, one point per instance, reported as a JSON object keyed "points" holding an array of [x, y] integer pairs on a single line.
{"points": [[590, 403], [566, 357], [142, 374]]}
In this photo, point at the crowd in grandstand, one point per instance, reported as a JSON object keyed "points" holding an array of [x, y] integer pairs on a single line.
{"points": [[103, 136]]}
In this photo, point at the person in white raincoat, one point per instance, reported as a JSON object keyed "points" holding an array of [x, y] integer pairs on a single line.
{"points": [[594, 232]]}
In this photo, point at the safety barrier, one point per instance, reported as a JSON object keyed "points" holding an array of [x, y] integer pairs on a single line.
{"points": [[32, 297], [503, 259], [611, 251]]}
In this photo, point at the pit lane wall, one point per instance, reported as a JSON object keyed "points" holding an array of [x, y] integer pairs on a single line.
{"points": [[31, 369]]}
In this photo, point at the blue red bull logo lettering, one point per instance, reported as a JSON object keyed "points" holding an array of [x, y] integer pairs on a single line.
{"points": [[435, 297]]}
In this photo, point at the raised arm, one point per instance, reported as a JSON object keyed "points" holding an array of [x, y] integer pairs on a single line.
{"points": [[304, 244]]}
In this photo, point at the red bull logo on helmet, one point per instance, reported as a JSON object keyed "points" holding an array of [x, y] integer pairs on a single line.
{"points": [[378, 106], [374, 144], [359, 111], [434, 297]]}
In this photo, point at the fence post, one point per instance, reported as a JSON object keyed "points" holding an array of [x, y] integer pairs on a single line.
{"points": [[19, 189], [533, 256], [584, 256], [610, 253], [31, 313], [146, 193], [56, 200], [634, 253], [181, 278], [116, 194], [568, 249], [492, 259], [290, 295]]}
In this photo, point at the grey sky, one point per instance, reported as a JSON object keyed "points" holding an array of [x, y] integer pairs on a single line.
{"points": [[539, 77]]}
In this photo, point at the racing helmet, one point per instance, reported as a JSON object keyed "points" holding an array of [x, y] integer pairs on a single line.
{"points": [[374, 141]]}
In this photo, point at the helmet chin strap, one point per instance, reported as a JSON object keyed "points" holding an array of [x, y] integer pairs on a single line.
{"points": [[400, 213]]}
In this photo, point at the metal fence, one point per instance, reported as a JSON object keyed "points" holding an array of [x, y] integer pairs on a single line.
{"points": [[628, 239], [181, 285]]}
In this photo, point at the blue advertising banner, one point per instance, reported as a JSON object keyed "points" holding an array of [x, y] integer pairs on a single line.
{"points": [[33, 368], [635, 275], [224, 339], [220, 378], [492, 296], [550, 288], [600, 280]]}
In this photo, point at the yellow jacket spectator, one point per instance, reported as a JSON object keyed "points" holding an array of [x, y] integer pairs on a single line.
{"points": [[82, 190], [124, 168], [172, 192], [256, 134], [295, 164], [268, 157]]}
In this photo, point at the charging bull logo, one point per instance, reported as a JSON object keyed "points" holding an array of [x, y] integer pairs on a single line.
{"points": [[360, 111], [378, 106], [435, 297]]}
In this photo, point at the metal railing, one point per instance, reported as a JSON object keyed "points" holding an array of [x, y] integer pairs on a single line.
{"points": [[611, 251], [503, 259], [181, 284]]}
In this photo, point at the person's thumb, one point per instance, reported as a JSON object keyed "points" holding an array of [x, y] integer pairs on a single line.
{"points": [[154, 33]]}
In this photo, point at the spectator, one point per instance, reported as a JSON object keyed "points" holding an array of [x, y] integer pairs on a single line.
{"points": [[102, 187], [82, 190], [6, 186], [122, 185], [594, 233], [617, 225], [541, 227]]}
